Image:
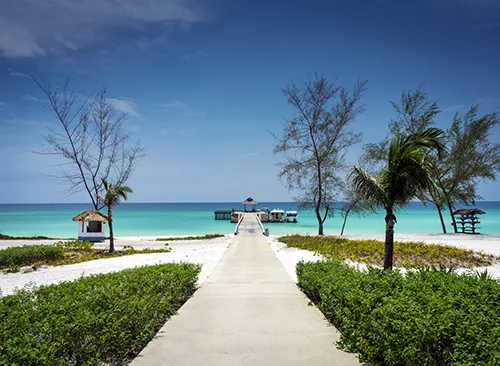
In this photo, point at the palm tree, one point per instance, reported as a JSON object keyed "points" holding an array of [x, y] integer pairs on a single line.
{"points": [[406, 175], [114, 194]]}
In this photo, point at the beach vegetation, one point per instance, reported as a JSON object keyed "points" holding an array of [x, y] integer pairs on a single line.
{"points": [[74, 244], [314, 141], [103, 319], [406, 174], [197, 237], [406, 254], [15, 257], [471, 156], [90, 141], [424, 317], [114, 193]]}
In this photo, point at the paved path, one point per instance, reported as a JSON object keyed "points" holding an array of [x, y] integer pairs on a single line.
{"points": [[249, 312]]}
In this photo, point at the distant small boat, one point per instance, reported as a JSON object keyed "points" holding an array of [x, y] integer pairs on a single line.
{"points": [[277, 215], [291, 216]]}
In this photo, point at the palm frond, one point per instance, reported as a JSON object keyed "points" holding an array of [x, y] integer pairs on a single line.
{"points": [[368, 187]]}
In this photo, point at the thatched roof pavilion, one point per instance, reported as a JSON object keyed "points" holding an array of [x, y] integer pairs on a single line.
{"points": [[249, 201], [91, 215], [469, 211]]}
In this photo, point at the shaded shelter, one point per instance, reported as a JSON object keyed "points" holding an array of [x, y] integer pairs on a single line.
{"points": [[468, 220], [249, 201], [91, 225]]}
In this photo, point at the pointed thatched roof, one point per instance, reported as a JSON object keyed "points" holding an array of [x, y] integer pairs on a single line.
{"points": [[469, 211], [91, 215], [249, 201]]}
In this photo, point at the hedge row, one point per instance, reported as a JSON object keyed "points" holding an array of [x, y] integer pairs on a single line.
{"points": [[406, 254], [426, 317], [29, 254], [100, 319]]}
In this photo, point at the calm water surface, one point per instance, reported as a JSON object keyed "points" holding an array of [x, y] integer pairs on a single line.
{"points": [[137, 219]]}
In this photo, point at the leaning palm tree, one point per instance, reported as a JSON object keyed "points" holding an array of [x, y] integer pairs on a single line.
{"points": [[406, 175], [114, 194]]}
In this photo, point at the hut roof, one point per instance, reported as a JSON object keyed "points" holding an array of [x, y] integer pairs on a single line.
{"points": [[249, 201], [91, 215], [469, 211]]}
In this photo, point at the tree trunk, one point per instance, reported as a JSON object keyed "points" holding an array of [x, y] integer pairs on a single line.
{"points": [[443, 225], [111, 238], [345, 220], [390, 219], [453, 221], [320, 221]]}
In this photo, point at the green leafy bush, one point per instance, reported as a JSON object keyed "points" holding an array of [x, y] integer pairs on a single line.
{"points": [[100, 319], [200, 237], [425, 317], [406, 254], [28, 254], [74, 244]]}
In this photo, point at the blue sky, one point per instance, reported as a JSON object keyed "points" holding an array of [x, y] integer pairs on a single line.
{"points": [[201, 80]]}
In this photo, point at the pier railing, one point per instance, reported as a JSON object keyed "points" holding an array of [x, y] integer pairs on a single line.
{"points": [[238, 224], [264, 232]]}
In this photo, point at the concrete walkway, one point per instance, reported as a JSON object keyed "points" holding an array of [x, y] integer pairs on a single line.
{"points": [[249, 312]]}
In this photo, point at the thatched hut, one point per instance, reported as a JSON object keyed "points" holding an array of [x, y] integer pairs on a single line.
{"points": [[468, 220], [249, 201], [91, 225]]}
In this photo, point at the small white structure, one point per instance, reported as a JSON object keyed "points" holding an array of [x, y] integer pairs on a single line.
{"points": [[277, 215], [249, 201], [91, 225], [291, 216]]}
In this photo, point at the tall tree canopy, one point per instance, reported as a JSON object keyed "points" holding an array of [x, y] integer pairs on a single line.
{"points": [[469, 158], [314, 141], [90, 141], [406, 173]]}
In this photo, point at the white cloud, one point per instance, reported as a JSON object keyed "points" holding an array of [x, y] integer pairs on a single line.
{"points": [[455, 108], [184, 108], [30, 28], [31, 98], [126, 106], [189, 57]]}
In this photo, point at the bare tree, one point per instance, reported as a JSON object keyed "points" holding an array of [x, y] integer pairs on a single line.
{"points": [[90, 140], [354, 203], [314, 142]]}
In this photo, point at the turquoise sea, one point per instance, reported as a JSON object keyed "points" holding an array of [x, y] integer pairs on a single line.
{"points": [[140, 219]]}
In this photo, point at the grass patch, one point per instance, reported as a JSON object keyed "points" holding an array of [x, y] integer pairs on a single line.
{"points": [[200, 237], [100, 319], [39, 237], [14, 257], [425, 317], [61, 253], [406, 254]]}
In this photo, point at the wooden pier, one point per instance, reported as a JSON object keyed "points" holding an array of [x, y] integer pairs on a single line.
{"points": [[223, 215]]}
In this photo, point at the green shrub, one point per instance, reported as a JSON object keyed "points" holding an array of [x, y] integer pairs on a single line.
{"points": [[406, 254], [426, 317], [100, 319], [200, 237], [28, 254], [74, 244]]}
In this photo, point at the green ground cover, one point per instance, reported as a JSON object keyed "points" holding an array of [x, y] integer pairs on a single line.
{"points": [[425, 317], [61, 253], [199, 237], [95, 320], [406, 254]]}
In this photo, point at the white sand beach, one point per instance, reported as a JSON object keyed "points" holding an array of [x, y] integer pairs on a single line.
{"points": [[489, 244], [205, 252], [208, 253]]}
